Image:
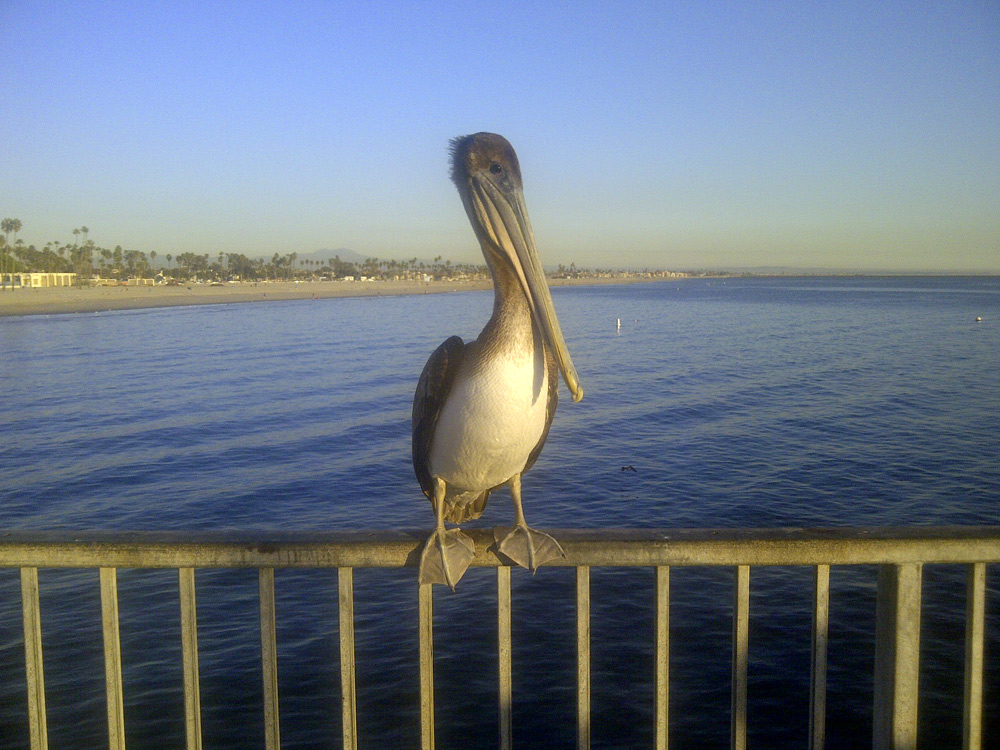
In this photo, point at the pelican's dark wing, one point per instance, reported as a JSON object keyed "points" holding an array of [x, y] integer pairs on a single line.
{"points": [[432, 391]]}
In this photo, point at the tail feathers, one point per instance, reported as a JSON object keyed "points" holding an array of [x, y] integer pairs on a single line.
{"points": [[460, 510]]}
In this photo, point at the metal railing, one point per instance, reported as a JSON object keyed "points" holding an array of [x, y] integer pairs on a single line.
{"points": [[900, 554]]}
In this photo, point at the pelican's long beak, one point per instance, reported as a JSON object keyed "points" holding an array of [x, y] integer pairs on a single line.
{"points": [[504, 217]]}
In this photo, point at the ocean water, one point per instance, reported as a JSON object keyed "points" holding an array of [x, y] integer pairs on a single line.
{"points": [[757, 402]]}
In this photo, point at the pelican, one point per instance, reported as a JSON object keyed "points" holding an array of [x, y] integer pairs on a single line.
{"points": [[482, 409]]}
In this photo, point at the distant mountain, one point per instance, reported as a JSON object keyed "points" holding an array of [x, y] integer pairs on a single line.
{"points": [[821, 271], [348, 256]]}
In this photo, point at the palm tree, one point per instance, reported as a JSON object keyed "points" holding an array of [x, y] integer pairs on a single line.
{"points": [[84, 231], [77, 233], [12, 225], [9, 226]]}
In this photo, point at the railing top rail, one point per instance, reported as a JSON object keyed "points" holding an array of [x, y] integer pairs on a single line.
{"points": [[598, 547]]}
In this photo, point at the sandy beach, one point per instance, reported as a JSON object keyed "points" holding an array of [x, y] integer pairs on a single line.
{"points": [[61, 300]]}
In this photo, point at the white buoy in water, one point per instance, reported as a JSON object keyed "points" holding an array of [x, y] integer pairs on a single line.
{"points": [[619, 323], [978, 319]]}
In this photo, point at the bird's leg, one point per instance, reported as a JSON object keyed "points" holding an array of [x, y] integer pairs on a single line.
{"points": [[528, 547], [446, 554]]}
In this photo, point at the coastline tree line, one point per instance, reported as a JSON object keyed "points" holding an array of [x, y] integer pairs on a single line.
{"points": [[88, 260]]}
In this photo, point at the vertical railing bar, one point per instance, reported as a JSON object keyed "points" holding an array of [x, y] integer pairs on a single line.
{"points": [[975, 633], [349, 705], [662, 656], [583, 657], [112, 658], [820, 644], [897, 656], [189, 655], [506, 695], [34, 672], [741, 647], [269, 658], [425, 629]]}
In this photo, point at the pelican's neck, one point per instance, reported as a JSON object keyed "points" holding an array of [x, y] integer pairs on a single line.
{"points": [[512, 322]]}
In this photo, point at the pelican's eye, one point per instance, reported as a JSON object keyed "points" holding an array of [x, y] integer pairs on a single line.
{"points": [[496, 168]]}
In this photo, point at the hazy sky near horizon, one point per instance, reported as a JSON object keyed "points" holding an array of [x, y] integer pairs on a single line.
{"points": [[673, 135]]}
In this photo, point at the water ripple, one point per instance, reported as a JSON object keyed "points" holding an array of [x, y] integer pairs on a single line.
{"points": [[758, 402]]}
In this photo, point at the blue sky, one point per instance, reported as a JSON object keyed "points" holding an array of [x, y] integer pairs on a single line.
{"points": [[670, 135]]}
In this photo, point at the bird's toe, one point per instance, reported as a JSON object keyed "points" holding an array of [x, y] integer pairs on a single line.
{"points": [[527, 547], [446, 557]]}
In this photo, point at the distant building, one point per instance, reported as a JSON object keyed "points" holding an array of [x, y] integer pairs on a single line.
{"points": [[37, 280]]}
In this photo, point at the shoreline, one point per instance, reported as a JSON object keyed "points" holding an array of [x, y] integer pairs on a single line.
{"points": [[67, 300]]}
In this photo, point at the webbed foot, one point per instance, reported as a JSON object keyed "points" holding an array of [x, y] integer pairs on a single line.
{"points": [[446, 557], [528, 547]]}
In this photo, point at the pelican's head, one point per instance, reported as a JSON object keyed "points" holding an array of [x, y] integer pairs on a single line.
{"points": [[485, 170]]}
